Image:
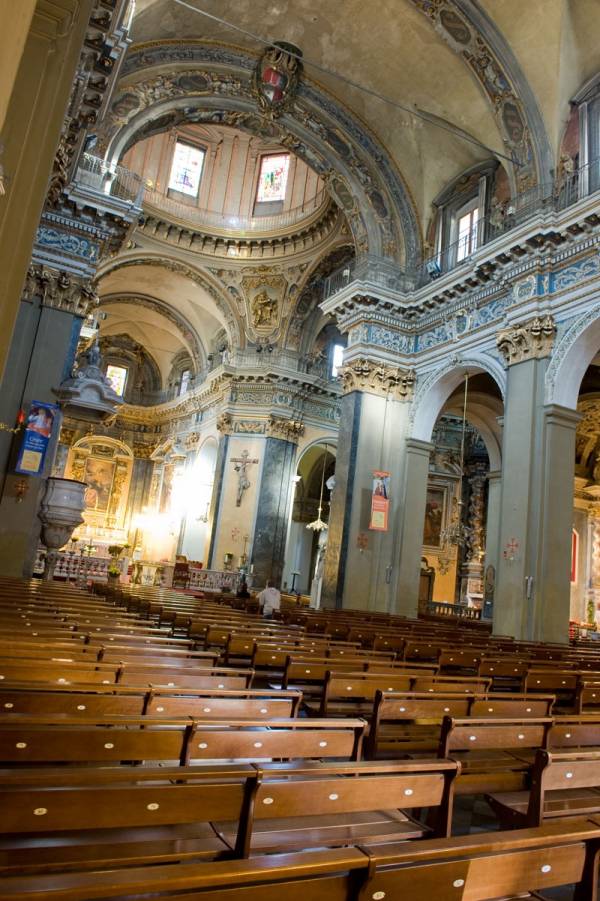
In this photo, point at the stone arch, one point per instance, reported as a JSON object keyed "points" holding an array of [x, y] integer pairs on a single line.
{"points": [[439, 384], [359, 172], [570, 359], [471, 34], [223, 302]]}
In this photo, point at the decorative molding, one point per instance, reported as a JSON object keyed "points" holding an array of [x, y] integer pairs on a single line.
{"points": [[287, 429], [378, 378], [59, 290], [225, 423], [532, 340]]}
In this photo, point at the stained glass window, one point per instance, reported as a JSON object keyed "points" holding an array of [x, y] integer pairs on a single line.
{"points": [[117, 376], [186, 169], [272, 179]]}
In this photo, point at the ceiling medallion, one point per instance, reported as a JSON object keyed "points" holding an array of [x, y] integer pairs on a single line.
{"points": [[276, 77]]}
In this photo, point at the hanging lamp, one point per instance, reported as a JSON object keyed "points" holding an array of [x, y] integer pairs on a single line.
{"points": [[318, 525]]}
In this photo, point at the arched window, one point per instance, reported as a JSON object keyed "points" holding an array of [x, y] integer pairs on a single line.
{"points": [[186, 169], [588, 103]]}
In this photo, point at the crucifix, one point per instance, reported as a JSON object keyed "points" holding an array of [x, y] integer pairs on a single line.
{"points": [[241, 467]]}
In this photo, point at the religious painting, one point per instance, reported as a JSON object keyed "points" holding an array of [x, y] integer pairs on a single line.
{"points": [[98, 475], [264, 310], [434, 516], [513, 122], [455, 26], [166, 492]]}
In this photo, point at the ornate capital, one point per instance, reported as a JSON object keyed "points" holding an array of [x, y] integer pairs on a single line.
{"points": [[531, 340], [60, 290], [288, 429], [378, 378]]}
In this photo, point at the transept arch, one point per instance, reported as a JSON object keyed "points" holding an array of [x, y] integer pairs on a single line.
{"points": [[438, 385], [570, 359], [201, 83]]}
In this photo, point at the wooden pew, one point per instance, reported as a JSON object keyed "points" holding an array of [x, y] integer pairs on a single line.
{"points": [[120, 816], [410, 723], [481, 867], [562, 785], [322, 806], [495, 754], [114, 740]]}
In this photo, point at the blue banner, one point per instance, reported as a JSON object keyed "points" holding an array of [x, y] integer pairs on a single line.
{"points": [[38, 432]]}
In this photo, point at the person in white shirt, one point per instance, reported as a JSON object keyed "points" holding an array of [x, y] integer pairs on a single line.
{"points": [[269, 599]]}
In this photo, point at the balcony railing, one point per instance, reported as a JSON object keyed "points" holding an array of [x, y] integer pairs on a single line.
{"points": [[186, 212], [109, 180], [554, 196]]}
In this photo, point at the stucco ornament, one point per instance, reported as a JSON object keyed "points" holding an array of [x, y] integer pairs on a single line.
{"points": [[374, 377], [531, 340]]}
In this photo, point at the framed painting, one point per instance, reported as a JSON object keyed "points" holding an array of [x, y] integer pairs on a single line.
{"points": [[99, 476], [435, 515]]}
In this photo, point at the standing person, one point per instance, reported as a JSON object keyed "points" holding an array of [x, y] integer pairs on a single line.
{"points": [[269, 599]]}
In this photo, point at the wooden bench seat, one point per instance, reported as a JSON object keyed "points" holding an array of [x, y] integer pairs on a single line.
{"points": [[310, 805], [410, 723], [485, 866], [495, 754], [562, 785], [98, 817], [114, 740]]}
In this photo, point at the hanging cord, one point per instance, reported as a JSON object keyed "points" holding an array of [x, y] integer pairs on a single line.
{"points": [[417, 113]]}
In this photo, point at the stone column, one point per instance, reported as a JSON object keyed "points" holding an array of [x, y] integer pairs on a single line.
{"points": [[40, 357], [223, 425], [594, 590], [492, 534], [274, 499], [360, 564], [532, 596], [35, 116], [410, 530]]}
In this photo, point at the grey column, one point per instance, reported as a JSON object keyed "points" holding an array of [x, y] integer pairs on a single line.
{"points": [[533, 591], [215, 501], [412, 518], [551, 588], [274, 498], [492, 529], [41, 353], [341, 502]]}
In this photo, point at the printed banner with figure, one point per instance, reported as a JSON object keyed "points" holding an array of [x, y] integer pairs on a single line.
{"points": [[38, 431], [380, 501]]}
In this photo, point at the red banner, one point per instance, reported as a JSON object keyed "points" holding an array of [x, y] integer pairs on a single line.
{"points": [[380, 501]]}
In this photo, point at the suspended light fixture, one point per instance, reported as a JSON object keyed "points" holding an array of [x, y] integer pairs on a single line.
{"points": [[318, 525]]}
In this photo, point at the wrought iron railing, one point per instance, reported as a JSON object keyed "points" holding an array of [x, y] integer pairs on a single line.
{"points": [[187, 212], [556, 196], [109, 180]]}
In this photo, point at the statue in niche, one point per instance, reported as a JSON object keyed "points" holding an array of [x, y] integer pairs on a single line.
{"points": [[264, 310]]}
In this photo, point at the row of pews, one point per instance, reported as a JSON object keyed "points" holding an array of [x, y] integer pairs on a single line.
{"points": [[159, 745]]}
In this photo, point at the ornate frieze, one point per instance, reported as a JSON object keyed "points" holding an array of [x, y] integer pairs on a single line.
{"points": [[378, 378], [288, 429], [531, 340], [59, 290]]}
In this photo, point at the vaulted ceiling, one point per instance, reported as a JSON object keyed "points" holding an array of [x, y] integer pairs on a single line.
{"points": [[544, 49]]}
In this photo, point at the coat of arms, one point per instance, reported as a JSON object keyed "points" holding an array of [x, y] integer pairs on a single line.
{"points": [[276, 76]]}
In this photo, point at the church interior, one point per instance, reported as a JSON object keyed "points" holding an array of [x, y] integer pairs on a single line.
{"points": [[299, 450]]}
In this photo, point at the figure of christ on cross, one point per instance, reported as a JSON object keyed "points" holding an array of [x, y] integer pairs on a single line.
{"points": [[241, 467]]}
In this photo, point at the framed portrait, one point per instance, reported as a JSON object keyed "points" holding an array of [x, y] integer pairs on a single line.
{"points": [[99, 478], [435, 515]]}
